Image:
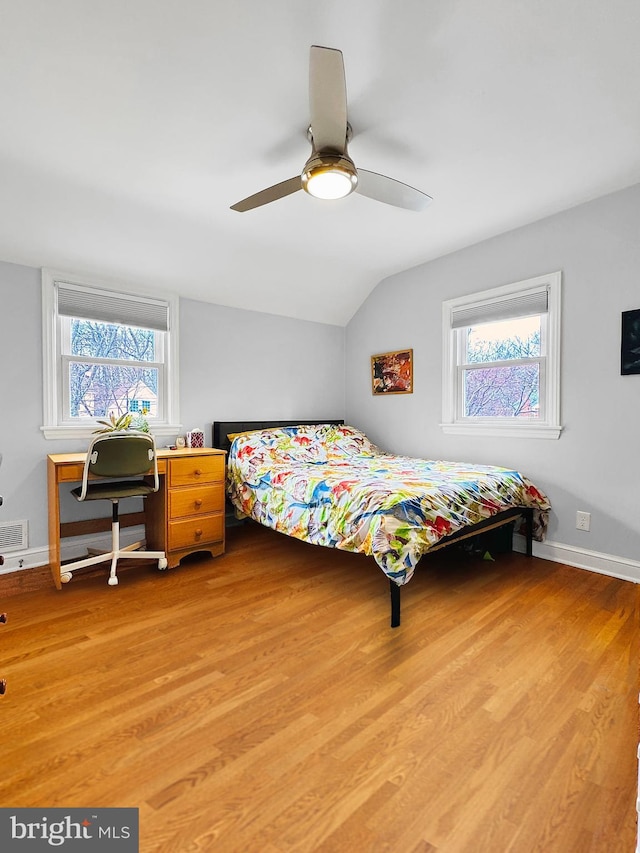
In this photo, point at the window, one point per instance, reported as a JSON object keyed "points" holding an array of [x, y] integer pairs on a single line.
{"points": [[501, 360], [106, 352]]}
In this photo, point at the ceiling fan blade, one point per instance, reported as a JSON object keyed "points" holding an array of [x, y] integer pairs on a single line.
{"points": [[327, 99], [270, 194], [390, 191]]}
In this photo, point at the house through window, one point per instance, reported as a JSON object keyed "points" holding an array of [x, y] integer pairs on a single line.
{"points": [[106, 353], [501, 360]]}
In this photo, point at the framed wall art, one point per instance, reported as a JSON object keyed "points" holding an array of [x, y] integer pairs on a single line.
{"points": [[630, 346], [392, 372]]}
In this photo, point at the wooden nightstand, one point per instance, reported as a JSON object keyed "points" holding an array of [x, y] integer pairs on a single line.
{"points": [[187, 515]]}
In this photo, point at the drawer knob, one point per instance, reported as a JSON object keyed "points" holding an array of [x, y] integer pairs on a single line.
{"points": [[197, 472], [198, 502], [198, 532]]}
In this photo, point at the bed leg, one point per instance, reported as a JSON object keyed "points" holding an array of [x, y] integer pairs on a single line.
{"points": [[395, 604], [528, 518]]}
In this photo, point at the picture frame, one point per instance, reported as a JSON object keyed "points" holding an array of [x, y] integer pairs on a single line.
{"points": [[392, 372], [630, 343]]}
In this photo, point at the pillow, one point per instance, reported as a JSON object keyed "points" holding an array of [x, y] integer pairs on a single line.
{"points": [[233, 435]]}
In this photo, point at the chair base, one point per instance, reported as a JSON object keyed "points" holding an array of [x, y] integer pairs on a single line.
{"points": [[128, 552]]}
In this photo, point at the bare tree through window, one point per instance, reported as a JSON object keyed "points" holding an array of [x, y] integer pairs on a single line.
{"points": [[502, 372], [112, 370]]}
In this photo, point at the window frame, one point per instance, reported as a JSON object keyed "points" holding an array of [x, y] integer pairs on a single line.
{"points": [[67, 359], [56, 425], [548, 425]]}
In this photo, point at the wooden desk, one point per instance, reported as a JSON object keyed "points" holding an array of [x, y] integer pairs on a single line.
{"points": [[184, 516]]}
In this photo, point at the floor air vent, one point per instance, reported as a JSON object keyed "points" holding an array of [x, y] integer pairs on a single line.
{"points": [[13, 535]]}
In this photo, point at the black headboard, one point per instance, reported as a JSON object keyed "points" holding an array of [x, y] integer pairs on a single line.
{"points": [[221, 429]]}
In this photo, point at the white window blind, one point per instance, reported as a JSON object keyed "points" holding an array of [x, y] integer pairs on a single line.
{"points": [[66, 296], [539, 296], [506, 308], [111, 307]]}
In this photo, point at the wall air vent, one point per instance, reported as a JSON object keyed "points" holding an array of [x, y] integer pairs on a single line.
{"points": [[13, 535]]}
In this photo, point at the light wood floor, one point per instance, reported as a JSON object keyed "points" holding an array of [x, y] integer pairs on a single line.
{"points": [[258, 704]]}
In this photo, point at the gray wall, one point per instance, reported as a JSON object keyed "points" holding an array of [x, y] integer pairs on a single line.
{"points": [[595, 465], [233, 364], [237, 364], [23, 473], [244, 364]]}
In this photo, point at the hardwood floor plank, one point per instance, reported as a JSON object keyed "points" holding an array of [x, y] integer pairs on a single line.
{"points": [[259, 703]]}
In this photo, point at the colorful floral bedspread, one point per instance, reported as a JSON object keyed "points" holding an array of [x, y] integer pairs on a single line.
{"points": [[329, 485]]}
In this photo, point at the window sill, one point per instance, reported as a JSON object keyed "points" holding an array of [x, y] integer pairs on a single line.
{"points": [[88, 432], [506, 431]]}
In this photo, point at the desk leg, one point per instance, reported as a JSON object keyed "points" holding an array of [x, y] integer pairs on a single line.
{"points": [[53, 497]]}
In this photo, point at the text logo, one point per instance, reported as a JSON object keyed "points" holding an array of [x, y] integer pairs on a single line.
{"points": [[113, 830]]}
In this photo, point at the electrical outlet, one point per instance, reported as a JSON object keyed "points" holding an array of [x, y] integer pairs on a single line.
{"points": [[583, 520]]}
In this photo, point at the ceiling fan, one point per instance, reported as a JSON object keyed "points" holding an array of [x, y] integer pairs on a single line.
{"points": [[329, 172]]}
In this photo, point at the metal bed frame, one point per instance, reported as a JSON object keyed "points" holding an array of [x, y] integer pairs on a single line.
{"points": [[221, 429]]}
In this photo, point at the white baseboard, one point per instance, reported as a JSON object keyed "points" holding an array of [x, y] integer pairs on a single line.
{"points": [[581, 558], [70, 549], [28, 558]]}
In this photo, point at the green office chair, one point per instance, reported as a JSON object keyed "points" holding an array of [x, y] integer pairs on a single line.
{"points": [[116, 455]]}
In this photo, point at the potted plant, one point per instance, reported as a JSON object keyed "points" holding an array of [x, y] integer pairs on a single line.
{"points": [[115, 424], [120, 423]]}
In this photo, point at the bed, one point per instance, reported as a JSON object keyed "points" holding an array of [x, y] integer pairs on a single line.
{"points": [[326, 483]]}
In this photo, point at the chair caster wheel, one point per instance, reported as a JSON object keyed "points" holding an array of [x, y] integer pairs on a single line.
{"points": [[65, 577], [162, 563], [113, 581]]}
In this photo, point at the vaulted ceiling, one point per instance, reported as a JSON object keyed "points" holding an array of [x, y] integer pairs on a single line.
{"points": [[129, 127]]}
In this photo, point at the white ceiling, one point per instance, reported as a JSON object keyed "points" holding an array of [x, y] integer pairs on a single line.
{"points": [[130, 126]]}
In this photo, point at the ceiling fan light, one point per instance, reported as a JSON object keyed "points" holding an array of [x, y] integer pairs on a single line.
{"points": [[329, 177], [329, 184]]}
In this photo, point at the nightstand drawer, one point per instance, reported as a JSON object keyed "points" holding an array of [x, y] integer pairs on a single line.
{"points": [[197, 500], [196, 469], [196, 531]]}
